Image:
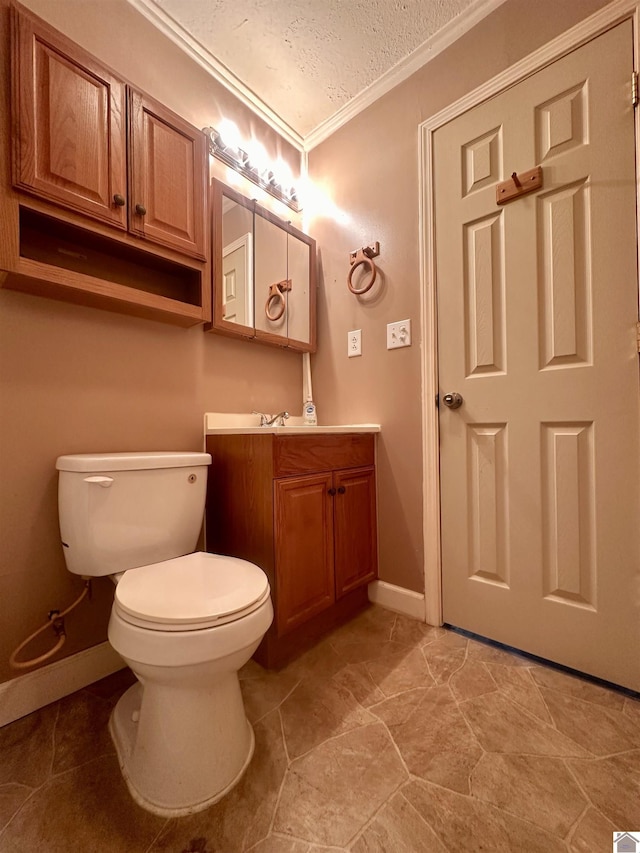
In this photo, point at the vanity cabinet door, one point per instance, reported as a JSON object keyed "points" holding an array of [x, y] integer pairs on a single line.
{"points": [[355, 529], [168, 171], [304, 537], [69, 116]]}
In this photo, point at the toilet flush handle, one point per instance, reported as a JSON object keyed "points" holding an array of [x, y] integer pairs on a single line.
{"points": [[105, 482]]}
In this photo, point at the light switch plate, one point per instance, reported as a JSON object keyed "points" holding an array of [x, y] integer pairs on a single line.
{"points": [[354, 343], [399, 334]]}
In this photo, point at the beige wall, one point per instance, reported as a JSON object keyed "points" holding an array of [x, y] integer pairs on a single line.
{"points": [[370, 170], [75, 379]]}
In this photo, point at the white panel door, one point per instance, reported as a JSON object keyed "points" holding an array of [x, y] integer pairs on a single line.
{"points": [[237, 267], [537, 312]]}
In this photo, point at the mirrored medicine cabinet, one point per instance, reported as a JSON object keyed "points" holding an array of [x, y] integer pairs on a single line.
{"points": [[264, 284]]}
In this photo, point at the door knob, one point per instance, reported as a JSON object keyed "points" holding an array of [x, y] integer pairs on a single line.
{"points": [[141, 210], [119, 200], [453, 400]]}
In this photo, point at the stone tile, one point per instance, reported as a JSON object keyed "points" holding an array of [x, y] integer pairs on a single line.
{"points": [[81, 731], [243, 817], [596, 728], [316, 710], [449, 641], [435, 741], [251, 669], [112, 686], [266, 692], [372, 625], [492, 654], [398, 709], [593, 832], [632, 710], [613, 785], [370, 650], [398, 828], [472, 679], [572, 685], [330, 794], [398, 673], [26, 747], [88, 808], [443, 664], [322, 661], [11, 798], [464, 823], [280, 844], [517, 684], [501, 726], [534, 788], [356, 679], [414, 633]]}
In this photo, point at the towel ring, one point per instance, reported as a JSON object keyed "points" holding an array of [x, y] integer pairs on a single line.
{"points": [[357, 259], [276, 305]]}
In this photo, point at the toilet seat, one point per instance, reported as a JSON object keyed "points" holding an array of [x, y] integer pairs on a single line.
{"points": [[190, 593]]}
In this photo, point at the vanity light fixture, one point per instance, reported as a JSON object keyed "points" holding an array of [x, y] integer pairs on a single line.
{"points": [[224, 145]]}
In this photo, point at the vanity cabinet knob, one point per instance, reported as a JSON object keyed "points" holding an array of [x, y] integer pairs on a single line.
{"points": [[341, 490], [119, 200], [331, 492], [141, 209]]}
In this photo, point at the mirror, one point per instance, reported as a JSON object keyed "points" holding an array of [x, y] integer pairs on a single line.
{"points": [[263, 274]]}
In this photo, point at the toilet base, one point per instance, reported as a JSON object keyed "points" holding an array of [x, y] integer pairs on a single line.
{"points": [[176, 757]]}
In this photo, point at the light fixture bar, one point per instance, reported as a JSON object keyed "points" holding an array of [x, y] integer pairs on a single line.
{"points": [[238, 160]]}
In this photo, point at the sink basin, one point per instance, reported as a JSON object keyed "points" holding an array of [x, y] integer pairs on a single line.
{"points": [[217, 423]]}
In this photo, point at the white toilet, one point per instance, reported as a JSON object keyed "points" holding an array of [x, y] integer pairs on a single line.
{"points": [[184, 622]]}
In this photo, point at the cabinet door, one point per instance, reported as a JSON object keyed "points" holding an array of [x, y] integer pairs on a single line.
{"points": [[168, 177], [69, 119], [304, 548], [356, 549]]}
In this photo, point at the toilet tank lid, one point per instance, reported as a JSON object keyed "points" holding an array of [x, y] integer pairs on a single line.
{"points": [[85, 462]]}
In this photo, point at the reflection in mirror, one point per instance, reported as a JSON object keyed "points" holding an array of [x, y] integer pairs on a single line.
{"points": [[237, 263], [298, 272], [270, 278]]}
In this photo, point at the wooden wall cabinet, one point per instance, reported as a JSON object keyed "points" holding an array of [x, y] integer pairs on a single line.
{"points": [[303, 508], [76, 123], [106, 203]]}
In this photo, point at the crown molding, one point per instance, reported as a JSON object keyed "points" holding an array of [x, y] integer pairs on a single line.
{"points": [[169, 27], [423, 54]]}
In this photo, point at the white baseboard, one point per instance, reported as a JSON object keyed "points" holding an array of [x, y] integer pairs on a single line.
{"points": [[34, 690], [398, 599]]}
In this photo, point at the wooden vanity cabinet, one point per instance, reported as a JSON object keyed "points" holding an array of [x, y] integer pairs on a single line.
{"points": [[77, 124], [303, 508]]}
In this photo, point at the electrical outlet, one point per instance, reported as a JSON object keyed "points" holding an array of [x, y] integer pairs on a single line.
{"points": [[399, 334], [354, 343]]}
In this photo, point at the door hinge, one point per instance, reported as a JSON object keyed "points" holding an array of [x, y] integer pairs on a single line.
{"points": [[634, 88]]}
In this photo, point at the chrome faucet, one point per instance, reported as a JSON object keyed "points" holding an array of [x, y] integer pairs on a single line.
{"points": [[272, 420], [277, 420]]}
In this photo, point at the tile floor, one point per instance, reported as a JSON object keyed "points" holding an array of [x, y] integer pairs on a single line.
{"points": [[387, 737]]}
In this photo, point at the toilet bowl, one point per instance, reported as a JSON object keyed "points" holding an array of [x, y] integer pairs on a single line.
{"points": [[185, 623]]}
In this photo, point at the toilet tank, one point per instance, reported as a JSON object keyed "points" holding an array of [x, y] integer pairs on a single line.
{"points": [[118, 511]]}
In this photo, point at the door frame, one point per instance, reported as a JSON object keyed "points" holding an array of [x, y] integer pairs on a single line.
{"points": [[602, 20]]}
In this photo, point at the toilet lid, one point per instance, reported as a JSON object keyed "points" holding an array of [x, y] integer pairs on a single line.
{"points": [[190, 592]]}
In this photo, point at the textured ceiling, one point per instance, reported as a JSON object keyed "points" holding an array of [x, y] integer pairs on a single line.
{"points": [[305, 59]]}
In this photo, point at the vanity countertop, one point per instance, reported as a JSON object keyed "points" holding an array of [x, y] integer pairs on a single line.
{"points": [[223, 423]]}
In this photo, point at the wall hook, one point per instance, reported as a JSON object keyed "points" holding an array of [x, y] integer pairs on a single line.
{"points": [[365, 255]]}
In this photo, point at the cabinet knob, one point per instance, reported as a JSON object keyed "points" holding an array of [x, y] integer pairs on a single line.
{"points": [[331, 492], [119, 200], [141, 209], [341, 490]]}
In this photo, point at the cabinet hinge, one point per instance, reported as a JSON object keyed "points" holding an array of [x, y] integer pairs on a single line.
{"points": [[638, 335], [634, 88]]}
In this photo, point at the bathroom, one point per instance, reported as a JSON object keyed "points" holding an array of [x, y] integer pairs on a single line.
{"points": [[76, 379]]}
